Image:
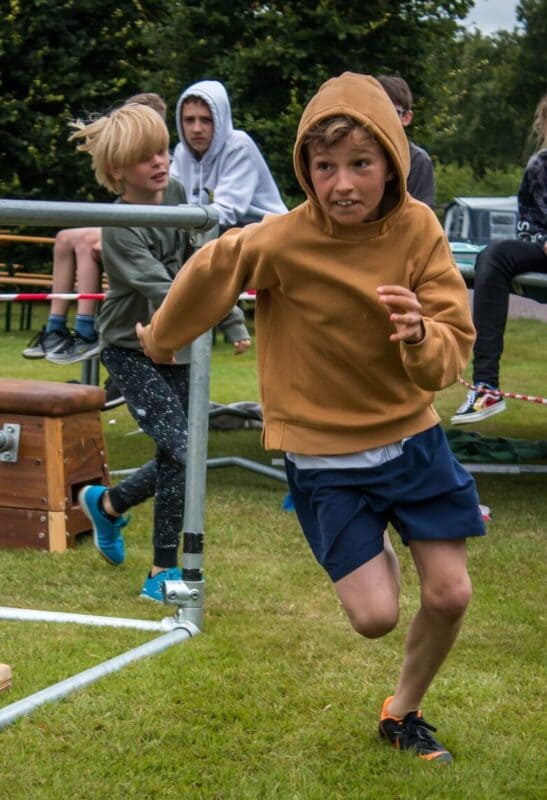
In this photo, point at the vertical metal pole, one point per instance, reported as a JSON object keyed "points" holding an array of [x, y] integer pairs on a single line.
{"points": [[196, 470]]}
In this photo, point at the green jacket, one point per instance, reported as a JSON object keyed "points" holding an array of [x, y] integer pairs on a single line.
{"points": [[140, 264]]}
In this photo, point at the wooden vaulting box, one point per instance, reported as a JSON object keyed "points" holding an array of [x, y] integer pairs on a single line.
{"points": [[61, 448]]}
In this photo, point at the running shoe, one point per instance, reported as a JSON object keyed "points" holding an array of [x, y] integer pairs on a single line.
{"points": [[412, 733], [107, 535], [77, 348], [152, 587], [114, 397], [46, 342], [480, 404]]}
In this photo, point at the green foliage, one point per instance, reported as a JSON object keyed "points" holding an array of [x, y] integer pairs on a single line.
{"points": [[453, 180], [60, 60], [484, 106], [474, 95], [273, 56]]}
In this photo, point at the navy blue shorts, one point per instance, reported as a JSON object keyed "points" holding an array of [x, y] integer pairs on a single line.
{"points": [[425, 493]]}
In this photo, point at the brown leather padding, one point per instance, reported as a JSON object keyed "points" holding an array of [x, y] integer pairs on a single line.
{"points": [[49, 399]]}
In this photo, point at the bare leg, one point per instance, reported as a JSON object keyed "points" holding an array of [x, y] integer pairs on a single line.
{"points": [[445, 595], [87, 249], [370, 594], [76, 256]]}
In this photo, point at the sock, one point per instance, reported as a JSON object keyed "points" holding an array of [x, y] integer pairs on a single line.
{"points": [[56, 322], [85, 326]]}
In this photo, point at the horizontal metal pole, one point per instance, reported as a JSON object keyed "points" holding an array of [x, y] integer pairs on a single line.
{"points": [[45, 212], [36, 615], [223, 461], [505, 469], [245, 463], [59, 690]]}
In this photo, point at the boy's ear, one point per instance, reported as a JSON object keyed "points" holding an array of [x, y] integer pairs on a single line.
{"points": [[115, 172]]}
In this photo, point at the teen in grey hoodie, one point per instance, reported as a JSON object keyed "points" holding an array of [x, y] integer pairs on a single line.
{"points": [[228, 171]]}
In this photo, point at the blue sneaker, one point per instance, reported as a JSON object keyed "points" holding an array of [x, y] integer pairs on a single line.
{"points": [[107, 535], [151, 588]]}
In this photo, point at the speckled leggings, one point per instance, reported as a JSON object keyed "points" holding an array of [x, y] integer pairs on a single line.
{"points": [[157, 397]]}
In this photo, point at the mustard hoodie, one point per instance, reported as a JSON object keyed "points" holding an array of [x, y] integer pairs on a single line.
{"points": [[331, 381]]}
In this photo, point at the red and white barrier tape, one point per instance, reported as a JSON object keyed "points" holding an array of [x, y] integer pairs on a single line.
{"points": [[25, 297], [510, 395]]}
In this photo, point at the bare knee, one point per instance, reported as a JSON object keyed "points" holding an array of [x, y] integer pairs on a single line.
{"points": [[88, 243], [373, 623], [449, 600], [64, 240]]}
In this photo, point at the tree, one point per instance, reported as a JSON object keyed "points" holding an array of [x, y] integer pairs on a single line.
{"points": [[60, 60], [273, 56]]}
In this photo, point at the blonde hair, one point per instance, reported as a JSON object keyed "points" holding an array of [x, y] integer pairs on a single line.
{"points": [[540, 122], [126, 136]]}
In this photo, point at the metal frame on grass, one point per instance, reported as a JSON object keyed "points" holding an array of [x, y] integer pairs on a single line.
{"points": [[187, 595]]}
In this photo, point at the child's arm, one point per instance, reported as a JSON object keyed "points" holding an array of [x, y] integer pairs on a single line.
{"points": [[433, 328], [204, 291], [233, 326]]}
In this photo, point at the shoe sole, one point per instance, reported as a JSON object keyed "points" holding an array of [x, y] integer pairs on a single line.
{"points": [[119, 401], [42, 353], [87, 512], [150, 599], [478, 416], [442, 756], [51, 357]]}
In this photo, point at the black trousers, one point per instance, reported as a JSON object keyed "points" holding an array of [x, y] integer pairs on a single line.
{"points": [[157, 398], [495, 268]]}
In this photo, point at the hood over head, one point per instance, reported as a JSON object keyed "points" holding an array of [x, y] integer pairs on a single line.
{"points": [[363, 98], [214, 94]]}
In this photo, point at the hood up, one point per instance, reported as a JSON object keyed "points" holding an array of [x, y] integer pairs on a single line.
{"points": [[214, 94], [364, 99]]}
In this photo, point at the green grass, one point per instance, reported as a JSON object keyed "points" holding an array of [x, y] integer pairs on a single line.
{"points": [[278, 698]]}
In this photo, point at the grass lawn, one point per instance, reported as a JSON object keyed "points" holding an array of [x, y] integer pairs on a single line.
{"points": [[278, 698]]}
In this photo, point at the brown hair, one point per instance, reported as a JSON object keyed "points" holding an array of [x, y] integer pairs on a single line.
{"points": [[330, 130], [397, 89], [150, 99]]}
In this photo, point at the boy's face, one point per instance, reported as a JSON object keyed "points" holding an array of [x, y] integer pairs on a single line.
{"points": [[349, 178], [146, 181], [197, 126]]}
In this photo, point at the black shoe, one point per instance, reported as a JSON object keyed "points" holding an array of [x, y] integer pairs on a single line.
{"points": [[412, 733], [45, 343], [114, 397], [76, 348]]}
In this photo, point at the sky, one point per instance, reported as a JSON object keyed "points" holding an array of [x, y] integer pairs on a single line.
{"points": [[492, 15]]}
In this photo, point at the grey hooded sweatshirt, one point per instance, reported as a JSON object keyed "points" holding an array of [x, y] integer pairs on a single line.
{"points": [[232, 175]]}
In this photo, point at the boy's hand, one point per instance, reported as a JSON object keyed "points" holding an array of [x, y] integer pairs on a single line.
{"points": [[143, 332], [405, 312], [241, 346]]}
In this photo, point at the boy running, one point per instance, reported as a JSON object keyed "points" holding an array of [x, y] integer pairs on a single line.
{"points": [[361, 315]]}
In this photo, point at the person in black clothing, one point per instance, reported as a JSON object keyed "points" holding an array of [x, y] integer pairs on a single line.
{"points": [[420, 182], [495, 268]]}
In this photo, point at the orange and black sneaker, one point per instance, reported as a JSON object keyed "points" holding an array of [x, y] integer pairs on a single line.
{"points": [[412, 732]]}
